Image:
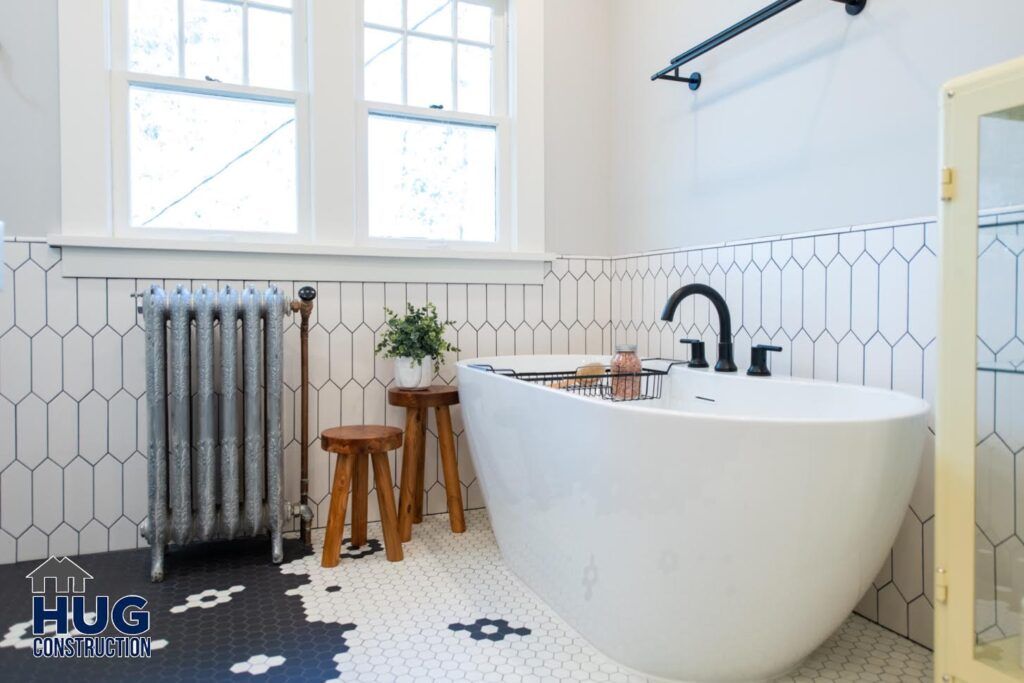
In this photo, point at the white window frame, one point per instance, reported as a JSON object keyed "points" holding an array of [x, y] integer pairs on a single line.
{"points": [[91, 182], [498, 120], [121, 81]]}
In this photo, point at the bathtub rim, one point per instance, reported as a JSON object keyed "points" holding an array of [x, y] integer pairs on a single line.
{"points": [[916, 407]]}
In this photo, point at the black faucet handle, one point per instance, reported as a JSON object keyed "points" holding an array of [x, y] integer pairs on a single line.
{"points": [[697, 357], [759, 360]]}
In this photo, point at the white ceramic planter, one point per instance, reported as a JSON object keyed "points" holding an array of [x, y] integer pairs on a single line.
{"points": [[412, 374]]}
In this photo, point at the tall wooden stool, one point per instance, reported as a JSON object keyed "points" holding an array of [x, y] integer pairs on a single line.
{"points": [[354, 446], [410, 503]]}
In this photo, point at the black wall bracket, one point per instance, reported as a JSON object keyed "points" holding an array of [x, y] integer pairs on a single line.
{"points": [[671, 72]]}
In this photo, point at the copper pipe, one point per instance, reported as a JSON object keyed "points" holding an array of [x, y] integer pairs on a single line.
{"points": [[304, 308]]}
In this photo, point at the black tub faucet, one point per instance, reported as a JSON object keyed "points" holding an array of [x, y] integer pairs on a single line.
{"points": [[725, 362]]}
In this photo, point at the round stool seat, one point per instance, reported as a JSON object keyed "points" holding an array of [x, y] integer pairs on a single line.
{"points": [[431, 397], [357, 439]]}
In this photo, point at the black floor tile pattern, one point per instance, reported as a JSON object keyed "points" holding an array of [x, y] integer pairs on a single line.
{"points": [[203, 643], [372, 547], [451, 610], [489, 629]]}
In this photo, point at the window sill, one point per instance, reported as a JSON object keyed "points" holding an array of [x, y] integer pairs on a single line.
{"points": [[96, 256]]}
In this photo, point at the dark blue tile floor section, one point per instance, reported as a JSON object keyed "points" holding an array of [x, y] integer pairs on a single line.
{"points": [[222, 627]]}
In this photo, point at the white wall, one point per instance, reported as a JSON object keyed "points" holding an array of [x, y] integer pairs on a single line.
{"points": [[576, 122], [577, 125], [29, 119], [812, 120]]}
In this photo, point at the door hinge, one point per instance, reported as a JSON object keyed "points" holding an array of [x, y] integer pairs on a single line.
{"points": [[948, 184], [941, 585]]}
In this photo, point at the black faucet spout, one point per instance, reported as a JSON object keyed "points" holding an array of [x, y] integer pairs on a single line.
{"points": [[725, 360]]}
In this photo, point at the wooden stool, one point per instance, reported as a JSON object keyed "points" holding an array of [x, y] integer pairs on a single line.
{"points": [[354, 446], [410, 504]]}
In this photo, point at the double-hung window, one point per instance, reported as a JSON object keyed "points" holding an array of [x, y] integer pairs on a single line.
{"points": [[434, 139], [208, 109]]}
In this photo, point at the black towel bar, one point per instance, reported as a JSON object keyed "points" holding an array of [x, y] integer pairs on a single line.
{"points": [[671, 72]]}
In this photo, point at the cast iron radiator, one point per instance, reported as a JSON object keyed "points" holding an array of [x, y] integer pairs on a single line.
{"points": [[216, 448]]}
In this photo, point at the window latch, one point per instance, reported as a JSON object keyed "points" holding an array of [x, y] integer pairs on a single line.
{"points": [[437, 106]]}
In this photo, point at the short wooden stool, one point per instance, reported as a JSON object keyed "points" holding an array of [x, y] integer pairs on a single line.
{"points": [[354, 446], [410, 503]]}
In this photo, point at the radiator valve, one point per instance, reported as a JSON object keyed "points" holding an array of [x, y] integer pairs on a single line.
{"points": [[299, 510]]}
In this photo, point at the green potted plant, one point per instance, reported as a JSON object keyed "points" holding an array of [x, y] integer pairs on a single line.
{"points": [[411, 340]]}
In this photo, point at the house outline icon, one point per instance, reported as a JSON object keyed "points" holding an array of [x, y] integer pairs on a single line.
{"points": [[64, 572]]}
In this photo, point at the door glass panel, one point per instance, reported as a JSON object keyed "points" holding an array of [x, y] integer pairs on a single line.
{"points": [[999, 456]]}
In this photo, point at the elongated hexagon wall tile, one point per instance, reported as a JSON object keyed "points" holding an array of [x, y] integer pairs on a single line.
{"points": [[92, 442], [16, 498], [892, 282], [864, 305], [892, 609], [63, 541], [8, 433], [61, 302], [77, 363], [107, 379], [122, 414], [78, 493], [133, 362], [46, 364], [878, 243], [135, 500], [92, 304], [6, 300], [29, 282], [814, 302], [32, 543], [906, 557], [31, 422], [47, 484], [922, 299], [16, 378], [109, 489]]}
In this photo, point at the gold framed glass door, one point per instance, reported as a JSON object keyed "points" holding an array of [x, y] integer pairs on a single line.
{"points": [[979, 545]]}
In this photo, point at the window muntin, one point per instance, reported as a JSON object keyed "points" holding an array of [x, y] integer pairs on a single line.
{"points": [[212, 117], [432, 53], [226, 41]]}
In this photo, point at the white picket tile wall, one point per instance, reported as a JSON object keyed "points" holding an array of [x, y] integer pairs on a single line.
{"points": [[854, 305], [72, 387]]}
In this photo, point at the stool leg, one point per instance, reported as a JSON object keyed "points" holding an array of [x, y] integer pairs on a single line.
{"points": [[386, 501], [407, 498], [359, 495], [421, 458], [336, 516], [452, 487]]}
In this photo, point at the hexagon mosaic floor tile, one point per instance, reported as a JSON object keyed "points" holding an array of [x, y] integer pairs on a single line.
{"points": [[450, 611]]}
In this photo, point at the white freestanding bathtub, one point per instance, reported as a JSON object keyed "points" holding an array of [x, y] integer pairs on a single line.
{"points": [[720, 533]]}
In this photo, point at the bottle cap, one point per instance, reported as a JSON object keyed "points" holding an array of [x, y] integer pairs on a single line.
{"points": [[625, 348]]}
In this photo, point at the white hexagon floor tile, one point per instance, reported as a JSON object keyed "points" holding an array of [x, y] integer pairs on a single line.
{"points": [[451, 610]]}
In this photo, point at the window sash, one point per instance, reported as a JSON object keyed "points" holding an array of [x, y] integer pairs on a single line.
{"points": [[121, 82], [499, 54], [503, 184], [499, 120]]}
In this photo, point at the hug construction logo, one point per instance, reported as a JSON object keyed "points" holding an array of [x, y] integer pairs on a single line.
{"points": [[63, 627]]}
